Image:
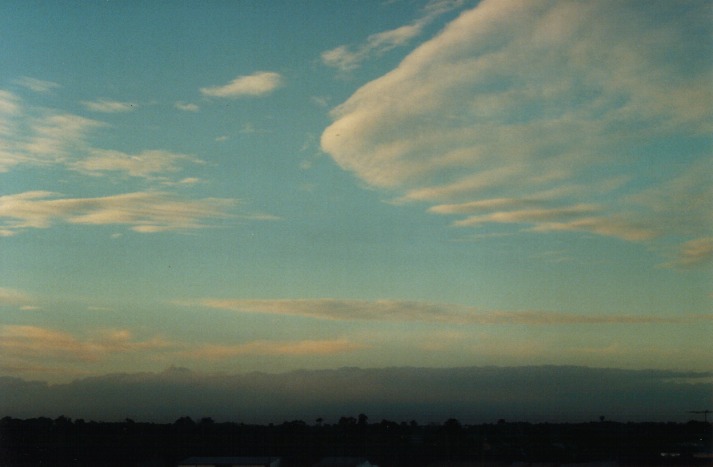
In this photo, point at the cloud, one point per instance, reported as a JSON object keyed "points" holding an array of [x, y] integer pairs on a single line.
{"points": [[693, 253], [187, 106], [146, 164], [410, 311], [50, 138], [612, 226], [471, 394], [272, 348], [37, 85], [480, 205], [29, 342], [110, 106], [9, 108], [54, 138], [145, 212], [528, 215], [248, 128], [258, 84], [320, 101], [683, 203], [516, 100], [14, 297], [9, 103], [183, 182], [40, 137], [346, 58], [31, 346]]}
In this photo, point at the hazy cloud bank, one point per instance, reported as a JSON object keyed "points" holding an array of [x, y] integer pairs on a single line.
{"points": [[471, 394]]}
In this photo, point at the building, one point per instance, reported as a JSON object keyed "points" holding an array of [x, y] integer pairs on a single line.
{"points": [[230, 462]]}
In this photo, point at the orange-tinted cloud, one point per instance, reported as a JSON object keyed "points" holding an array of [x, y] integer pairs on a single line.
{"points": [[272, 348], [409, 311]]}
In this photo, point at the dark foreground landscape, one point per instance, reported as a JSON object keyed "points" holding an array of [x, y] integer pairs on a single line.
{"points": [[64, 442]]}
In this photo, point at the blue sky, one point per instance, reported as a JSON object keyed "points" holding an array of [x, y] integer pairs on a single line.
{"points": [[238, 186]]}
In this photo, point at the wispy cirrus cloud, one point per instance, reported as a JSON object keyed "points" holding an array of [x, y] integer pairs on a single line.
{"points": [[55, 138], [9, 103], [259, 83], [187, 106], [37, 85], [618, 226], [110, 106], [346, 58], [271, 348], [410, 311], [459, 126], [38, 138], [146, 164], [46, 139], [145, 212], [9, 107], [529, 215], [33, 137], [26, 349], [692, 253], [16, 298], [28, 342]]}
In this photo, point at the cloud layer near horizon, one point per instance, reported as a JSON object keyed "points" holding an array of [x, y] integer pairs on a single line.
{"points": [[30, 349], [411, 311], [539, 115], [471, 394]]}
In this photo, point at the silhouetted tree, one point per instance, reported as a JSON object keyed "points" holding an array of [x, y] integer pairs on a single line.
{"points": [[452, 426], [362, 419], [347, 421], [62, 422], [185, 424]]}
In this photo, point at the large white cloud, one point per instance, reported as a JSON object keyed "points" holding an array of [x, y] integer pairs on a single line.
{"points": [[520, 100]]}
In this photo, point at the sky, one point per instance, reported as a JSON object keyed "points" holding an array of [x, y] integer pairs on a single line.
{"points": [[239, 186]]}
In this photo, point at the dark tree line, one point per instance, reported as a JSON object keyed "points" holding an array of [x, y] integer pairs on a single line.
{"points": [[63, 441]]}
